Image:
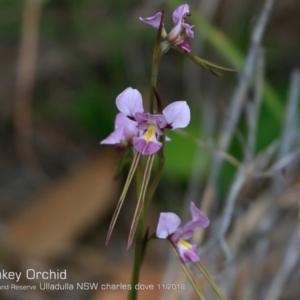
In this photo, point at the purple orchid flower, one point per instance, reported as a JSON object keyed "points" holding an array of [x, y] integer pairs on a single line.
{"points": [[148, 127], [168, 228], [180, 32], [125, 130]]}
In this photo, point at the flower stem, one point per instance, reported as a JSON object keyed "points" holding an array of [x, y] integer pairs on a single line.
{"points": [[155, 63], [138, 257], [139, 240], [140, 244]]}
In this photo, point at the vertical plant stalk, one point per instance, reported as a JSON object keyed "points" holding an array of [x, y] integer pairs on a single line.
{"points": [[142, 186], [155, 63], [25, 83], [138, 220], [138, 258]]}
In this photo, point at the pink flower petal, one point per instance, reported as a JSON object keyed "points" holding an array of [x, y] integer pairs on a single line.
{"points": [[198, 220], [188, 30], [167, 224], [153, 21], [174, 34], [144, 119], [198, 216], [189, 255], [177, 114], [114, 138], [179, 13], [144, 147], [184, 45], [125, 130], [129, 102]]}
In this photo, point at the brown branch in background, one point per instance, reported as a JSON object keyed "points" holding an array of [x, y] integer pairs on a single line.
{"points": [[290, 259], [26, 71]]}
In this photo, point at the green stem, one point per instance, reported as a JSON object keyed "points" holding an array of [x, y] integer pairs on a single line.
{"points": [[139, 240], [154, 72], [155, 63], [138, 258]]}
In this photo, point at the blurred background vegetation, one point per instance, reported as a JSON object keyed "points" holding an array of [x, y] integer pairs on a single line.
{"points": [[88, 51]]}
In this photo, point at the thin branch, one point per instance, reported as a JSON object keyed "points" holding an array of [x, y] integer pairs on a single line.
{"points": [[26, 72], [253, 108], [257, 33], [290, 128], [238, 98], [289, 262]]}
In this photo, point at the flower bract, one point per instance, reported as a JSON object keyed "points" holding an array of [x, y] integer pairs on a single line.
{"points": [[169, 228]]}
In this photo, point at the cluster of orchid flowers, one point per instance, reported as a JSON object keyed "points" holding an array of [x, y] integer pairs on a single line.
{"points": [[143, 132], [135, 127]]}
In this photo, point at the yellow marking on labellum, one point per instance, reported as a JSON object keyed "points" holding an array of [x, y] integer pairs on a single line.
{"points": [[185, 244], [150, 133]]}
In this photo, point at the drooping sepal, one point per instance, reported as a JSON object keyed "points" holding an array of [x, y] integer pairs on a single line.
{"points": [[132, 170], [211, 281], [141, 200]]}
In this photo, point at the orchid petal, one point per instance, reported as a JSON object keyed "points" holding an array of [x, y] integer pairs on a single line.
{"points": [[167, 225], [153, 21], [187, 252], [114, 138], [125, 130], [198, 216], [179, 13], [184, 233], [145, 118], [129, 102], [146, 148], [198, 220], [184, 45], [177, 114], [174, 34], [188, 30], [189, 255], [121, 120]]}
